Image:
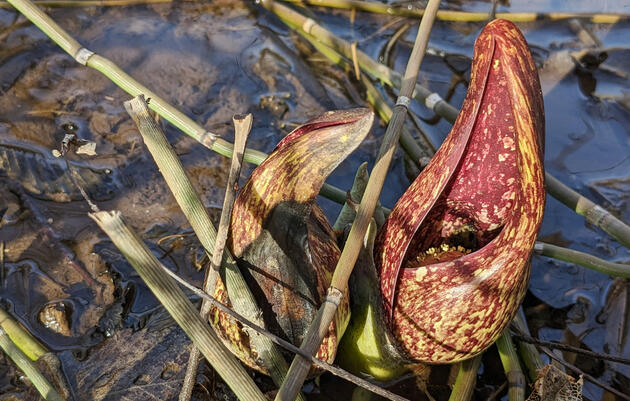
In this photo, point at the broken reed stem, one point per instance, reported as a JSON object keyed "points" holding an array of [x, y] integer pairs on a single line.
{"points": [[466, 380], [300, 366], [26, 365], [287, 345], [178, 305], [171, 168], [242, 127], [529, 353], [594, 213], [409, 10], [20, 337], [33, 349], [582, 259], [511, 367]]}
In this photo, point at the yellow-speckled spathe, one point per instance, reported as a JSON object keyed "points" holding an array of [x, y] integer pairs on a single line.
{"points": [[291, 177], [488, 178]]}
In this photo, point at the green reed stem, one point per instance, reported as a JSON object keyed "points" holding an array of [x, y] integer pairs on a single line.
{"points": [[20, 337], [413, 11], [465, 380], [512, 367], [26, 365], [178, 182], [593, 213], [34, 350], [582, 259]]}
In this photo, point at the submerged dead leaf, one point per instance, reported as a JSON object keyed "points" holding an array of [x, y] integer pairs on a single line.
{"points": [[553, 384]]}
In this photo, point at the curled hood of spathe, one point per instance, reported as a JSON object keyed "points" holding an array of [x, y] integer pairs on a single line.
{"points": [[281, 238], [453, 256]]}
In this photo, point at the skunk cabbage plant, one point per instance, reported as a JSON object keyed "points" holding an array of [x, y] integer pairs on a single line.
{"points": [[281, 238], [453, 256]]}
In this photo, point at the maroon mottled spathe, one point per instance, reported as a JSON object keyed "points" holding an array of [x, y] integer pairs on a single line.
{"points": [[483, 191]]}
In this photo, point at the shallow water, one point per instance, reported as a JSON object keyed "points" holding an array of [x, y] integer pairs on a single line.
{"points": [[214, 60]]}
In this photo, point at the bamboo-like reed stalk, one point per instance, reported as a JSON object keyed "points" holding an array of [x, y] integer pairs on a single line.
{"points": [[242, 127], [582, 259], [88, 3], [512, 367], [465, 380], [33, 349], [413, 11], [300, 366], [26, 365], [178, 305], [21, 338], [171, 168], [594, 213]]}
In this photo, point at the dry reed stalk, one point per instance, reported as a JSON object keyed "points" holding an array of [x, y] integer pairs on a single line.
{"points": [[178, 182], [300, 366]]}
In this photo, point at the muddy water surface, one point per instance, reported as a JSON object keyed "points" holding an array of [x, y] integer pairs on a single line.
{"points": [[65, 281]]}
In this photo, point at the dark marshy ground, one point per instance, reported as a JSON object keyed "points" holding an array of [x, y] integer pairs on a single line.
{"points": [[62, 278]]}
